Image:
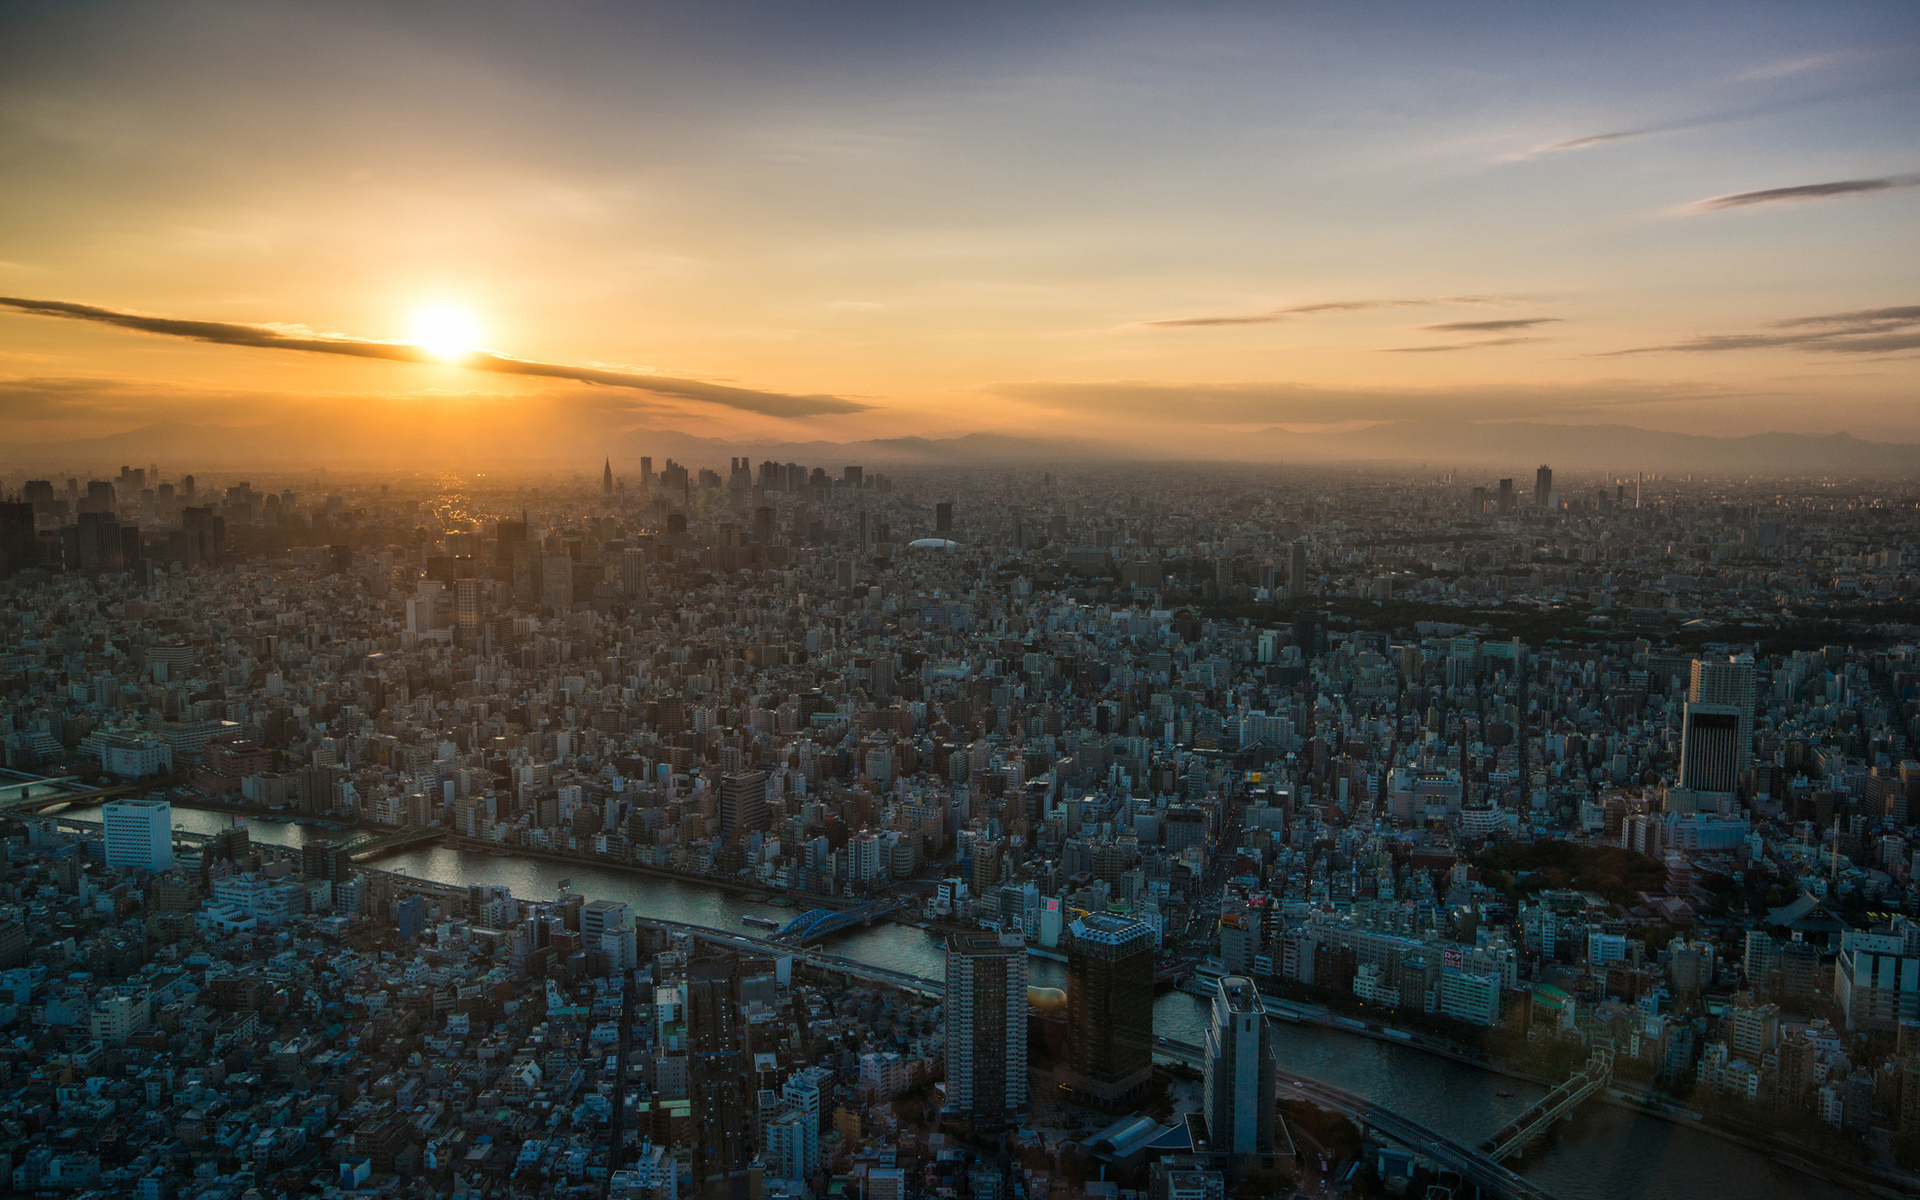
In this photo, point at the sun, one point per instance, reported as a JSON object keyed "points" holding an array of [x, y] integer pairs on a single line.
{"points": [[445, 331]]}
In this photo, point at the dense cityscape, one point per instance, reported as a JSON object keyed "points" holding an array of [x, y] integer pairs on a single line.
{"points": [[1594, 791]]}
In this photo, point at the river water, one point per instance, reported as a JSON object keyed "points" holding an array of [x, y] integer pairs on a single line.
{"points": [[1604, 1154]]}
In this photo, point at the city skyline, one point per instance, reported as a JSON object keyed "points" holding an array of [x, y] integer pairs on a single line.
{"points": [[1132, 231]]}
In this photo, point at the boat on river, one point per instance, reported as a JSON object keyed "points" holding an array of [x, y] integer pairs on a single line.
{"points": [[759, 922]]}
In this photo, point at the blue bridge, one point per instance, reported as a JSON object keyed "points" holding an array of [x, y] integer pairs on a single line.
{"points": [[817, 923]]}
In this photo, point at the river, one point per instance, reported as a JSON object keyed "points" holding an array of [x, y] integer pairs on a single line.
{"points": [[1603, 1154]]}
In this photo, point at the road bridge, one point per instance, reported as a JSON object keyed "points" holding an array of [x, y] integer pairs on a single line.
{"points": [[1555, 1106], [1477, 1168], [23, 793], [367, 845], [817, 923]]}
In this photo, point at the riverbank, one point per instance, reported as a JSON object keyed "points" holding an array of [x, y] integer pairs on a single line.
{"points": [[811, 899], [1642, 1101]]}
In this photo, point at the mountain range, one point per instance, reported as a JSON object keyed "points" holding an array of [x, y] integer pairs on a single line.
{"points": [[1507, 445]]}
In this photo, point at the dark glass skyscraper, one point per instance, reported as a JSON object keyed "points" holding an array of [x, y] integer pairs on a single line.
{"points": [[1109, 1008]]}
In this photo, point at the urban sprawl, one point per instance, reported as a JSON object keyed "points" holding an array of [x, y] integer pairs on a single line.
{"points": [[1600, 785]]}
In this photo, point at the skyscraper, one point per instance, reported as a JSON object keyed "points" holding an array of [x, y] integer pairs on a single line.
{"points": [[1296, 571], [1109, 1008], [1505, 499], [986, 1010], [1542, 487], [743, 804], [1709, 748], [1241, 1076], [606, 478], [717, 1060], [1728, 681], [139, 834], [633, 572]]}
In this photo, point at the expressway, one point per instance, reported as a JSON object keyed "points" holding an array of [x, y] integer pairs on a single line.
{"points": [[1486, 1175], [935, 988]]}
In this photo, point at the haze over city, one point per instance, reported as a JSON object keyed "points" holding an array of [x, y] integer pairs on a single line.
{"points": [[1216, 231]]}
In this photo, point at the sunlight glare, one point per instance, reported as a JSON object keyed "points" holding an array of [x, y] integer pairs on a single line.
{"points": [[445, 331]]}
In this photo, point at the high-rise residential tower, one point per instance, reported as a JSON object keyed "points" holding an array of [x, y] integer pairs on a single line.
{"points": [[986, 1011], [1241, 1076]]}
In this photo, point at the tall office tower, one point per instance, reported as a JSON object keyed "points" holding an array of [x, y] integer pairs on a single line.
{"points": [[1109, 1008], [986, 1007], [508, 534], [19, 545], [633, 572], [556, 581], [1310, 633], [1728, 681], [743, 804], [98, 542], [1709, 748], [325, 860], [1297, 571], [1477, 502], [139, 834], [466, 605], [1506, 497], [1542, 487], [606, 478], [763, 525], [1242, 1075], [943, 517], [205, 534], [717, 1067]]}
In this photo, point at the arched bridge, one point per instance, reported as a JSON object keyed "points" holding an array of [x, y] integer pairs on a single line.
{"points": [[817, 923]]}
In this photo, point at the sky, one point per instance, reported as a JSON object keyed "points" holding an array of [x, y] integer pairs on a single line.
{"points": [[1155, 226]]}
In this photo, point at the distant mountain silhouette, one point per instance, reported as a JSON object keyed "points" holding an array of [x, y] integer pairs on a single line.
{"points": [[1507, 445]]}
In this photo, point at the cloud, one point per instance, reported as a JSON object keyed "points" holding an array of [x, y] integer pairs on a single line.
{"points": [[1125, 402], [1794, 66], [1581, 143], [1505, 341], [1490, 326], [1272, 316], [1861, 331], [1805, 191], [263, 337]]}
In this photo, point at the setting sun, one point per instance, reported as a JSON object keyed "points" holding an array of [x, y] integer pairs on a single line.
{"points": [[445, 331]]}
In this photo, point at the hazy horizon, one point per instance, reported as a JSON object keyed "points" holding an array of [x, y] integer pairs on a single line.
{"points": [[1224, 232]]}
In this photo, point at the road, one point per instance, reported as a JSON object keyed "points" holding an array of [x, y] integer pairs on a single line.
{"points": [[1488, 1176]]}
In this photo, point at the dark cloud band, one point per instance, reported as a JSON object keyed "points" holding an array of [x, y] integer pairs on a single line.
{"points": [[1862, 331], [1326, 306], [1806, 191], [773, 404]]}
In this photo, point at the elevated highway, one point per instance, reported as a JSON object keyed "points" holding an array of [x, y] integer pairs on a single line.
{"points": [[1477, 1168]]}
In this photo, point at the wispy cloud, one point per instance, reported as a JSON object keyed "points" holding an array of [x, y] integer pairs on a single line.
{"points": [[1597, 139], [1862, 331], [1275, 315], [284, 337], [1805, 191], [1490, 326], [1452, 346], [1794, 66], [1277, 403]]}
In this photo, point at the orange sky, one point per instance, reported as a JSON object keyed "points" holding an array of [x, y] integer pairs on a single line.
{"points": [[1090, 224]]}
